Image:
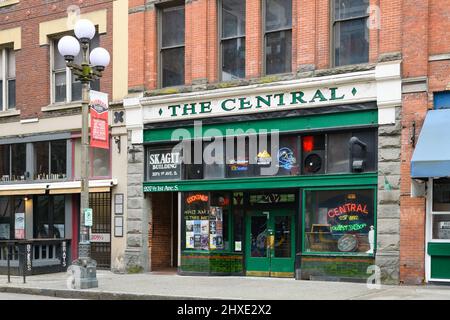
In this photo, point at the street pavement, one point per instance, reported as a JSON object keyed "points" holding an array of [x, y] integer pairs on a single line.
{"points": [[172, 286], [15, 296]]}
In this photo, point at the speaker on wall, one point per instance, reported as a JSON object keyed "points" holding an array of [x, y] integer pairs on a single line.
{"points": [[314, 162], [313, 154], [195, 171]]}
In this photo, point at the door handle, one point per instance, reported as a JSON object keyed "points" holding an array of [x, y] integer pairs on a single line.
{"points": [[271, 241]]}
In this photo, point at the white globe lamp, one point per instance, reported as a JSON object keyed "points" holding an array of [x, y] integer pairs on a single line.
{"points": [[69, 47], [84, 30], [100, 58]]}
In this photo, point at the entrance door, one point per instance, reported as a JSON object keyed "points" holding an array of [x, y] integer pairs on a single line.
{"points": [[270, 243]]}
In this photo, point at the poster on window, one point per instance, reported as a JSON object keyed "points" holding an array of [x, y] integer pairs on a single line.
{"points": [[189, 234], [19, 226], [99, 119], [215, 228]]}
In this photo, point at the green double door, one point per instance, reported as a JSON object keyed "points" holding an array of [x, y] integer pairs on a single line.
{"points": [[270, 243]]}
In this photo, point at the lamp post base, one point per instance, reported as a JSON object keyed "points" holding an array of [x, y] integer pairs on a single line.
{"points": [[84, 269]]}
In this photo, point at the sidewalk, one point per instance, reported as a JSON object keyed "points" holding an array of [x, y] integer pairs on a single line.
{"points": [[171, 286]]}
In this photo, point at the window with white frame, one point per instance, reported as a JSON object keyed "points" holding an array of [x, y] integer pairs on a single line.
{"points": [[65, 87], [440, 211], [7, 79]]}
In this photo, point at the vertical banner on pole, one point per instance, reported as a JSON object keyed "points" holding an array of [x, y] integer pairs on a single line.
{"points": [[99, 120]]}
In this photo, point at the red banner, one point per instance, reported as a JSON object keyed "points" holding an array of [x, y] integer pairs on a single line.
{"points": [[99, 120]]}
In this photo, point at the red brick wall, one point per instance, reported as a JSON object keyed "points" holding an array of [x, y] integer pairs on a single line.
{"points": [[33, 60], [425, 27], [253, 39], [412, 216], [310, 40]]}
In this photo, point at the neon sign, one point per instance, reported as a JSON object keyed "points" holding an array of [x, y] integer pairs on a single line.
{"points": [[197, 197], [348, 208]]}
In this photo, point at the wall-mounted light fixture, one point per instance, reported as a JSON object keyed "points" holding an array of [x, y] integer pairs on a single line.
{"points": [[117, 141]]}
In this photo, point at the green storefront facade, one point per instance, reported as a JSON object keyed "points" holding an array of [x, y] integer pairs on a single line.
{"points": [[313, 217]]}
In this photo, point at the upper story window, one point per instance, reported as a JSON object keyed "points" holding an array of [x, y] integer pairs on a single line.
{"points": [[65, 87], [232, 39], [7, 79], [172, 46], [43, 160], [50, 160], [13, 162], [278, 36], [100, 162], [350, 32]]}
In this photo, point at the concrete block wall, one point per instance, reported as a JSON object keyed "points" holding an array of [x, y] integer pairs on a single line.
{"points": [[388, 209]]}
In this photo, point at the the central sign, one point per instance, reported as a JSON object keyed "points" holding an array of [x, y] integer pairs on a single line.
{"points": [[193, 106]]}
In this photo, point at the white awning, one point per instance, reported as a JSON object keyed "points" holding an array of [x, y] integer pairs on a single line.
{"points": [[68, 187]]}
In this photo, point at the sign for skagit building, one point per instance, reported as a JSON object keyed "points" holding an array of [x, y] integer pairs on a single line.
{"points": [[196, 106]]}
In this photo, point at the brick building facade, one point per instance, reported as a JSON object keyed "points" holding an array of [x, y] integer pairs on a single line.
{"points": [[425, 48], [313, 63], [40, 125]]}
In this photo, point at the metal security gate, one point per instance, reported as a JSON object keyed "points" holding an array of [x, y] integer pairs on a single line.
{"points": [[101, 229]]}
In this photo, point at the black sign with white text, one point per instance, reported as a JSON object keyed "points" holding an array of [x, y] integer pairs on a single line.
{"points": [[163, 164]]}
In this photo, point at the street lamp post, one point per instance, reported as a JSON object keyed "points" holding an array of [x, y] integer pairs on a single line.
{"points": [[90, 69]]}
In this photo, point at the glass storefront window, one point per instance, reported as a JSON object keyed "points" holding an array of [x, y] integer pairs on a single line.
{"points": [[4, 162], [338, 153], [5, 218], [12, 215], [214, 167], [206, 221], [18, 162], [287, 156], [49, 217], [196, 218], [101, 162], [58, 159], [50, 160], [252, 155], [241, 157], [441, 195], [41, 162], [440, 215], [219, 216], [441, 226], [339, 221]]}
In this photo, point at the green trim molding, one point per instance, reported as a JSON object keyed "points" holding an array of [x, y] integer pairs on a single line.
{"points": [[439, 249], [336, 180], [288, 124], [440, 260]]}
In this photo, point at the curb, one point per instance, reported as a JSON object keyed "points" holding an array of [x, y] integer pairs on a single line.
{"points": [[95, 295]]}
